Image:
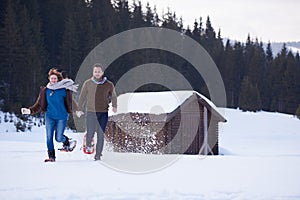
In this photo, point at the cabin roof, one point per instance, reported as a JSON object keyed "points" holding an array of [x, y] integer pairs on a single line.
{"points": [[159, 102]]}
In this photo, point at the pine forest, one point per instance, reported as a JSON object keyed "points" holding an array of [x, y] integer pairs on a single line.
{"points": [[36, 35]]}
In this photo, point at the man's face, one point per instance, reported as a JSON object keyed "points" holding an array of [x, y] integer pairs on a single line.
{"points": [[97, 72]]}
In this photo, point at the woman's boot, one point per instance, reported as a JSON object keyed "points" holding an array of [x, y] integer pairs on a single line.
{"points": [[51, 155]]}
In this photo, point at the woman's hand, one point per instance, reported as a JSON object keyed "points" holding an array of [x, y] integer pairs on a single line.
{"points": [[25, 111]]}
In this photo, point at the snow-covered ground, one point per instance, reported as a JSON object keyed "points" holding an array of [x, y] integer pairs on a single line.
{"points": [[260, 160]]}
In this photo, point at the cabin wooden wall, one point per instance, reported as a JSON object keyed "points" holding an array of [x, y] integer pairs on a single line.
{"points": [[173, 137]]}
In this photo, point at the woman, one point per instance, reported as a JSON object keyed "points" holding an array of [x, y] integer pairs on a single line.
{"points": [[55, 100]]}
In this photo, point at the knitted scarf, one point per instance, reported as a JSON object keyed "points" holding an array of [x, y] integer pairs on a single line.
{"points": [[65, 83], [100, 82]]}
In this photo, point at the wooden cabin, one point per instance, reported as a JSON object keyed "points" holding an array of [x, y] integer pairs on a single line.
{"points": [[172, 122]]}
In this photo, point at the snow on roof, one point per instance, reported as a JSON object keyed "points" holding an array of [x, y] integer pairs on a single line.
{"points": [[155, 102]]}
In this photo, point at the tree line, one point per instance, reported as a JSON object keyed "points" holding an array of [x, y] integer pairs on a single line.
{"points": [[36, 35]]}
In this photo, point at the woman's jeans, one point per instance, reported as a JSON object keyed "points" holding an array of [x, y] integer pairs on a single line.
{"points": [[54, 125], [96, 122]]}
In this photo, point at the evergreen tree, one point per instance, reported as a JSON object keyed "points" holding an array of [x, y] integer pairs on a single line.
{"points": [[266, 87], [85, 44], [209, 30], [297, 73], [71, 56], [255, 62], [12, 56], [137, 19], [123, 15], [269, 54], [201, 29], [85, 30], [298, 112], [30, 54], [214, 46], [156, 19], [53, 18], [188, 32], [228, 73], [239, 71], [149, 16], [248, 54], [28, 71], [249, 97], [277, 103], [106, 17], [218, 49], [290, 85], [170, 21], [2, 11], [42, 60], [196, 32], [35, 54]]}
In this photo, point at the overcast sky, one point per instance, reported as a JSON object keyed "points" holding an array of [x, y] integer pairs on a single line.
{"points": [[269, 20]]}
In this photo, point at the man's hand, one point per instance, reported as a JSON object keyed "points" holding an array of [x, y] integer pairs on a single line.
{"points": [[114, 109], [79, 113]]}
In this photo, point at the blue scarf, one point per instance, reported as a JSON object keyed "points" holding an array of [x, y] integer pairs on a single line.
{"points": [[102, 81]]}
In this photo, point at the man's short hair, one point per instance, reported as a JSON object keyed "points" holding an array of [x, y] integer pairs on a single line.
{"points": [[98, 65]]}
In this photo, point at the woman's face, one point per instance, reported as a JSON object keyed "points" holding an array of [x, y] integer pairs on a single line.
{"points": [[53, 79], [97, 72]]}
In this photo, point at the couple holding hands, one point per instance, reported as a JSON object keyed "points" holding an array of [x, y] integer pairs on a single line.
{"points": [[56, 101]]}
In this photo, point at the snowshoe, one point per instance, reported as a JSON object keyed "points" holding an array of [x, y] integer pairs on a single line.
{"points": [[69, 146], [88, 149]]}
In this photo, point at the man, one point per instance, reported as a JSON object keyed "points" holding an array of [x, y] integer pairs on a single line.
{"points": [[97, 93]]}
